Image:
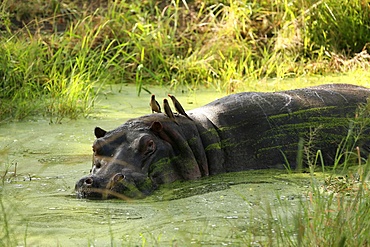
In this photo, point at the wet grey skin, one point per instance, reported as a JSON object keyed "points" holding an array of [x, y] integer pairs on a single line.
{"points": [[154, 105], [178, 106]]}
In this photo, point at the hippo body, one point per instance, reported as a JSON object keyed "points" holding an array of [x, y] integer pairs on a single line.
{"points": [[242, 131]]}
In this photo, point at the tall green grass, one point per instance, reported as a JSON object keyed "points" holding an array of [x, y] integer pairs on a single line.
{"points": [[334, 212], [6, 230], [57, 55]]}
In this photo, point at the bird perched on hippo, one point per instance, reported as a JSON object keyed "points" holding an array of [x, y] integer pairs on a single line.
{"points": [[178, 106], [168, 111], [250, 130], [154, 105]]}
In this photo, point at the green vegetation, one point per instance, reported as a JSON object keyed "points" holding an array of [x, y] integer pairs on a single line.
{"points": [[56, 55], [334, 213]]}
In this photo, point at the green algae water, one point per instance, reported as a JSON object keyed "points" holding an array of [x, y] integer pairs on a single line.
{"points": [[41, 162]]}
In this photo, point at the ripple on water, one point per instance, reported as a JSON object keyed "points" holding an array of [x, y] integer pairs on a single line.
{"points": [[40, 205]]}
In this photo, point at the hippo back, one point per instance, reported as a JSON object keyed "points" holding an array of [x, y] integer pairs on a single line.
{"points": [[264, 130]]}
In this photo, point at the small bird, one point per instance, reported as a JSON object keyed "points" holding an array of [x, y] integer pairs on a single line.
{"points": [[154, 105], [178, 106], [168, 111]]}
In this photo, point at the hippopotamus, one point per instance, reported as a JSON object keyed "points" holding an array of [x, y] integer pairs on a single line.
{"points": [[243, 131]]}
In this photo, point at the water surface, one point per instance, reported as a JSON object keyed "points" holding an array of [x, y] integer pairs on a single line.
{"points": [[43, 161]]}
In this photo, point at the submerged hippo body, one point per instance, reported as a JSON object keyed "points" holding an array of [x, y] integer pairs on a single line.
{"points": [[238, 132]]}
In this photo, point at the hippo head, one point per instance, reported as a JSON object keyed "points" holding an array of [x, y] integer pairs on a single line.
{"points": [[132, 160]]}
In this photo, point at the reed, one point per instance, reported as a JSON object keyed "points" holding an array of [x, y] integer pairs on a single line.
{"points": [[334, 212], [58, 55]]}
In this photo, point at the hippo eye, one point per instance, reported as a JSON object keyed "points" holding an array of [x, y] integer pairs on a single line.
{"points": [[149, 147], [98, 165]]}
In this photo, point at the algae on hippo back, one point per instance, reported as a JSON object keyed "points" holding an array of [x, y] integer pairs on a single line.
{"points": [[242, 131]]}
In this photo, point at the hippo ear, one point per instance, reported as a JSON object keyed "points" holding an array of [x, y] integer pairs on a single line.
{"points": [[99, 132], [156, 127]]}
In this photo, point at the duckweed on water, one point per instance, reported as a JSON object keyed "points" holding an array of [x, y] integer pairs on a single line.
{"points": [[268, 207]]}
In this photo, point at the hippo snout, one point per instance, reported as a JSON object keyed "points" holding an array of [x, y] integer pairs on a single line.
{"points": [[89, 187], [119, 185], [86, 182]]}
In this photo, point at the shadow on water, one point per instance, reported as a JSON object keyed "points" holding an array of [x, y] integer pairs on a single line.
{"points": [[40, 164]]}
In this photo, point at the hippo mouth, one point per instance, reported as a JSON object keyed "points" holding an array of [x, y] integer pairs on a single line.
{"points": [[121, 186], [90, 187]]}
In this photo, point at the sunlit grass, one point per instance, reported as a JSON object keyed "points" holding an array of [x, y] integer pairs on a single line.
{"points": [[58, 55]]}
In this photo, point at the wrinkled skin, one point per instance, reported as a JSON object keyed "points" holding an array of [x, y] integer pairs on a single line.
{"points": [[238, 132]]}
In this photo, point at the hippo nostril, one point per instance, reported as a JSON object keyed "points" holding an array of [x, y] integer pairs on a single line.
{"points": [[89, 181]]}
